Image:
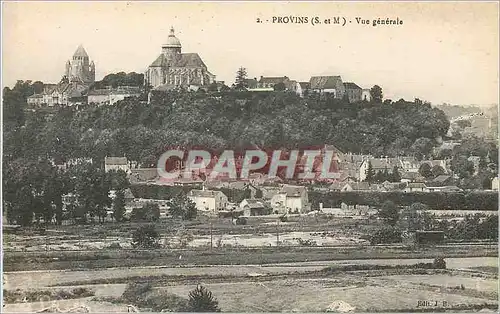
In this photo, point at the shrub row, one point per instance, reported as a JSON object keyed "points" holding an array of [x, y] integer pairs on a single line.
{"points": [[473, 200]]}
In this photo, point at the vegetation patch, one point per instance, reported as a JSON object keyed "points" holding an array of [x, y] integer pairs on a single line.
{"points": [[22, 296]]}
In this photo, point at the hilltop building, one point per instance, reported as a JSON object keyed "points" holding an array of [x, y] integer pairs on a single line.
{"points": [[72, 89], [328, 85], [174, 69], [79, 69]]}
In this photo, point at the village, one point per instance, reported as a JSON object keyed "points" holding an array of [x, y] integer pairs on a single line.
{"points": [[408, 212]]}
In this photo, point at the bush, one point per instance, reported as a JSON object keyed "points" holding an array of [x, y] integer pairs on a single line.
{"points": [[386, 234], [202, 300], [283, 218], [145, 237], [306, 242], [439, 263], [241, 221], [149, 212], [389, 212], [143, 295]]}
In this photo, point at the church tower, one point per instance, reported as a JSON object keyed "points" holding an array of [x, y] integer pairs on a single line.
{"points": [[172, 49], [79, 68]]}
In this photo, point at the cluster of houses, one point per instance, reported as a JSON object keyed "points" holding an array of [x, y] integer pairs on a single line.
{"points": [[320, 84], [271, 195]]}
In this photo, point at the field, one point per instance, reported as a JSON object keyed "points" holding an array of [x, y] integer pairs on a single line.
{"points": [[246, 270]]}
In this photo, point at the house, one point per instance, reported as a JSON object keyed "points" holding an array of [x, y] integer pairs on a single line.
{"points": [[143, 175], [387, 186], [494, 184], [349, 165], [250, 83], [328, 84], [416, 187], [257, 178], [355, 186], [291, 199], [254, 207], [408, 164], [302, 88], [270, 82], [116, 163], [111, 96], [441, 180], [192, 182], [336, 186], [366, 95], [353, 91], [65, 93], [291, 85], [378, 164], [208, 201], [268, 192], [448, 188]]}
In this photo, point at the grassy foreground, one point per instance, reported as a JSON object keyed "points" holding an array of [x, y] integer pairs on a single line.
{"points": [[52, 260]]}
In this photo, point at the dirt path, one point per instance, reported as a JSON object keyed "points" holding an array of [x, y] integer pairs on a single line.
{"points": [[39, 279]]}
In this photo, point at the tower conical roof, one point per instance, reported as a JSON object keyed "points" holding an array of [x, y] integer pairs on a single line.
{"points": [[80, 52]]}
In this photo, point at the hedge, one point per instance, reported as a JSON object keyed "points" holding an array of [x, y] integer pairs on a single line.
{"points": [[473, 200]]}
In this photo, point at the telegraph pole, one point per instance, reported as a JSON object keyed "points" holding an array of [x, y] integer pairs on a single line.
{"points": [[211, 237], [278, 232]]}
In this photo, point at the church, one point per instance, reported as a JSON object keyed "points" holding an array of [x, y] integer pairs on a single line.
{"points": [[79, 69], [173, 68], [78, 76]]}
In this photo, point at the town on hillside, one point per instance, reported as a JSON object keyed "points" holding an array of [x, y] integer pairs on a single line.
{"points": [[406, 220]]}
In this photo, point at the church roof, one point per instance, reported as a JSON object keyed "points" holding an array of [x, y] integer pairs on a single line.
{"points": [[185, 60], [80, 52]]}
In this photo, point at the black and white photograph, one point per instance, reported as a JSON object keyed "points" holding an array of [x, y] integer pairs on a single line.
{"points": [[250, 156]]}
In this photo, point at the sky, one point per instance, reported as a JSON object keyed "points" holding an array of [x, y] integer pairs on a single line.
{"points": [[443, 51]]}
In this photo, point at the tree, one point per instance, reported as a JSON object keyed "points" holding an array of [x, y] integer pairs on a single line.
{"points": [[437, 170], [439, 263], [376, 94], [191, 210], [463, 167], [389, 212], [379, 177], [386, 234], [148, 212], [119, 205], [464, 123], [370, 173], [151, 211], [422, 147], [416, 217], [182, 207], [241, 76], [279, 87], [145, 237], [92, 186], [395, 176], [425, 170], [202, 300]]}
